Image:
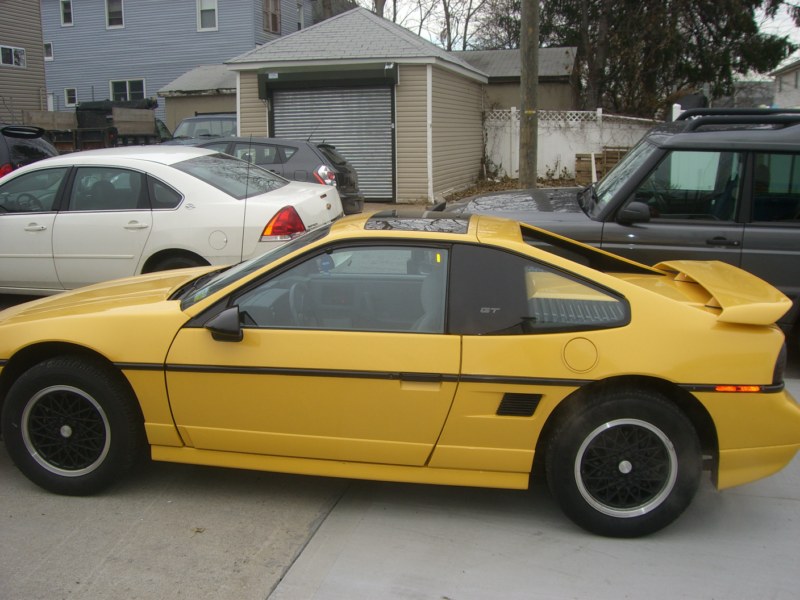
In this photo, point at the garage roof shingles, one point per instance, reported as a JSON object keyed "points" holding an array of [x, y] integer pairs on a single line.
{"points": [[356, 35]]}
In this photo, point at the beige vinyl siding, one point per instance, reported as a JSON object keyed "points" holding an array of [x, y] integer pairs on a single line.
{"points": [[411, 134], [22, 88], [457, 131], [252, 110]]}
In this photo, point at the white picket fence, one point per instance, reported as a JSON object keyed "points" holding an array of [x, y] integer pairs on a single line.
{"points": [[562, 135]]}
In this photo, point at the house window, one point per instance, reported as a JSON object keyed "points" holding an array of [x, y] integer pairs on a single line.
{"points": [[12, 57], [132, 89], [66, 13], [300, 15], [114, 16], [206, 15], [70, 96], [272, 16], [48, 50]]}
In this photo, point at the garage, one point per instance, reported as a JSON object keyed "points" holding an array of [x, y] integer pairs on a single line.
{"points": [[357, 120]]}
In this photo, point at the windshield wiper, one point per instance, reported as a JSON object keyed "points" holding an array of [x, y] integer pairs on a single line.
{"points": [[196, 284]]}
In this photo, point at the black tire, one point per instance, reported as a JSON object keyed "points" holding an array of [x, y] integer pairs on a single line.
{"points": [[176, 262], [72, 426], [626, 465]]}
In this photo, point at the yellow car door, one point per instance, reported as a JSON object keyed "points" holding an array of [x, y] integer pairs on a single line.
{"points": [[342, 357]]}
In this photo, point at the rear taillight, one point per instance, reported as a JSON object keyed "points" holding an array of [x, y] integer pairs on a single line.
{"points": [[285, 225], [6, 169], [325, 175]]}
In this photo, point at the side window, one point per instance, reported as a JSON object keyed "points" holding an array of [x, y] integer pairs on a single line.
{"points": [[498, 293], [107, 188], [32, 192], [776, 187], [217, 146], [376, 288], [288, 152], [690, 185], [163, 196], [259, 154]]}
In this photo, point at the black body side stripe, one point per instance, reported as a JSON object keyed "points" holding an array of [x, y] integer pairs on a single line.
{"points": [[394, 375]]}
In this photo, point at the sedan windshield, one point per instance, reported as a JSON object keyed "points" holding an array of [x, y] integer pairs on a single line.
{"points": [[235, 177]]}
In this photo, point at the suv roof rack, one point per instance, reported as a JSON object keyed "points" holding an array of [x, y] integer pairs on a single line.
{"points": [[699, 117]]}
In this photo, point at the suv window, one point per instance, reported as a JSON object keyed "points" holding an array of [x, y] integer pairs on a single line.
{"points": [[776, 187], [693, 185], [210, 126]]}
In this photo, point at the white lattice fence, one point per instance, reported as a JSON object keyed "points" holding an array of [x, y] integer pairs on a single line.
{"points": [[562, 135]]}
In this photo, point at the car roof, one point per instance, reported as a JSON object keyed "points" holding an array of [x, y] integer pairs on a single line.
{"points": [[258, 140], [210, 116], [736, 129], [157, 153]]}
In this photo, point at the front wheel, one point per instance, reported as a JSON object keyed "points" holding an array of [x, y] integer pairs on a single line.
{"points": [[72, 426], [625, 466]]}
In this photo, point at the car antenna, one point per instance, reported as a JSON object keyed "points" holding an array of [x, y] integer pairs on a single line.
{"points": [[246, 190], [313, 131]]}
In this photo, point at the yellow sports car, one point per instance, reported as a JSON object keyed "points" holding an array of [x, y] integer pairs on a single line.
{"points": [[461, 350]]}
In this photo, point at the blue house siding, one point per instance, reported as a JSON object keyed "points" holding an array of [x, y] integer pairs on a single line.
{"points": [[159, 42]]}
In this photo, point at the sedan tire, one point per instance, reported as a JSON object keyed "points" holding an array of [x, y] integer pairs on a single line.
{"points": [[72, 426], [626, 465]]}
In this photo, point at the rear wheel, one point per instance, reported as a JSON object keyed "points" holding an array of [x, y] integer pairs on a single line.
{"points": [[176, 262], [625, 466], [72, 426]]}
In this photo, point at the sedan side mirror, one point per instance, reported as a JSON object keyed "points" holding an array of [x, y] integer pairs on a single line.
{"points": [[226, 326], [634, 212]]}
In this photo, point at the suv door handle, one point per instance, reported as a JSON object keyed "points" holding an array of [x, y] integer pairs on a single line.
{"points": [[35, 227], [722, 241], [136, 225]]}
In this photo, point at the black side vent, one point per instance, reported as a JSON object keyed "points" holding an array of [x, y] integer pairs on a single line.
{"points": [[518, 405]]}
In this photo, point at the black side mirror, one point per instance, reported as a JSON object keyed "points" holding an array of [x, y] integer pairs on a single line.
{"points": [[226, 327], [634, 212]]}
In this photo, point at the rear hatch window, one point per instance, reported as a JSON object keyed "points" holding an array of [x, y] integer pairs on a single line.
{"points": [[332, 155]]}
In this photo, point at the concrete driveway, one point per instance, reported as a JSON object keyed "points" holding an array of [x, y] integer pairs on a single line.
{"points": [[178, 531]]}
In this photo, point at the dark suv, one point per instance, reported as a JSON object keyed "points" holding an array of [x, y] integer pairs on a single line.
{"points": [[716, 184], [297, 160], [21, 145]]}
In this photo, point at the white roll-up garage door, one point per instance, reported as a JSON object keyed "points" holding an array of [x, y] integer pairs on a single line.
{"points": [[358, 121]]}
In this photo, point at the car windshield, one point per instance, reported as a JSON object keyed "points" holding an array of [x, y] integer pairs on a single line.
{"points": [[235, 177], [608, 186], [202, 287], [207, 127]]}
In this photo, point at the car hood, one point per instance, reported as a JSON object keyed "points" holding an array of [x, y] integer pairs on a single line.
{"points": [[119, 294], [543, 204]]}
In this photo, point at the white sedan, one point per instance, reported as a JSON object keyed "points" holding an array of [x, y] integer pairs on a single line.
{"points": [[91, 216]]}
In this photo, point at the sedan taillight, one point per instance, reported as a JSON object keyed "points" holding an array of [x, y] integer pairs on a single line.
{"points": [[6, 169], [325, 175], [285, 225]]}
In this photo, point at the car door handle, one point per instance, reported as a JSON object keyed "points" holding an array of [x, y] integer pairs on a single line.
{"points": [[35, 227], [136, 225], [722, 241]]}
